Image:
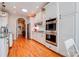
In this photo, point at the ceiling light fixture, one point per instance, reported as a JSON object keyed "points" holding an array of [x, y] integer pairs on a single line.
{"points": [[14, 6], [24, 10], [37, 7]]}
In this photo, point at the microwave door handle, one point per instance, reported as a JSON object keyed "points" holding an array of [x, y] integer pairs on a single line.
{"points": [[47, 27]]}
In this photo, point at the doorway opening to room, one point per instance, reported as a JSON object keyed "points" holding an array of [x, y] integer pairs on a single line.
{"points": [[21, 27], [28, 31]]}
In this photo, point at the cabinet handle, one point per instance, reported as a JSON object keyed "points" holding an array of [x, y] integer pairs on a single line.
{"points": [[59, 16]]}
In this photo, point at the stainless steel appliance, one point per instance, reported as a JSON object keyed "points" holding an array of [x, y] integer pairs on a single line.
{"points": [[51, 39], [51, 24], [51, 31]]}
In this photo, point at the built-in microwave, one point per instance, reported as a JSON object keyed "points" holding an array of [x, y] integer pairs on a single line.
{"points": [[51, 25]]}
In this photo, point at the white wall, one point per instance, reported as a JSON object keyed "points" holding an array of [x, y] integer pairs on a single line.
{"points": [[12, 23]]}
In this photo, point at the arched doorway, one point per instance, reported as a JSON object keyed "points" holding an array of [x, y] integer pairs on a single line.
{"points": [[21, 27]]}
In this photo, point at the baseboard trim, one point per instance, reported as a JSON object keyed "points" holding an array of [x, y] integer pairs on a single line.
{"points": [[49, 49]]}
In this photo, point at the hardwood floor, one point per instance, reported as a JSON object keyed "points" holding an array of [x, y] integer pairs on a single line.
{"points": [[29, 48]]}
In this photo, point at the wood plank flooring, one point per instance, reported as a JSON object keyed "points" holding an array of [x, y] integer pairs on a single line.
{"points": [[29, 48]]}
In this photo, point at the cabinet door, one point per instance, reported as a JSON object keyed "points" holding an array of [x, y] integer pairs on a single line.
{"points": [[66, 8], [66, 31], [67, 25], [3, 21], [77, 7], [38, 17], [50, 10], [3, 47]]}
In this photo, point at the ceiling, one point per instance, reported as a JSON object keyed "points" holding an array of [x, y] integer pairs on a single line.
{"points": [[16, 7]]}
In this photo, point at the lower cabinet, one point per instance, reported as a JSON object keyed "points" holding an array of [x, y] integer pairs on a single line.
{"points": [[66, 31], [3, 47]]}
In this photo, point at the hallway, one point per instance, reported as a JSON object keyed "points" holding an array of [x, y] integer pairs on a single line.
{"points": [[30, 48]]}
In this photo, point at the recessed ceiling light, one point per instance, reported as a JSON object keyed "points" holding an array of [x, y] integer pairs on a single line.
{"points": [[37, 7], [24, 10], [14, 6]]}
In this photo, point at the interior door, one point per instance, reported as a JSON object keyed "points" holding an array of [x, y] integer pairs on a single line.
{"points": [[28, 31]]}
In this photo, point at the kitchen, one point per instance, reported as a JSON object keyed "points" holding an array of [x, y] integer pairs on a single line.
{"points": [[51, 20]]}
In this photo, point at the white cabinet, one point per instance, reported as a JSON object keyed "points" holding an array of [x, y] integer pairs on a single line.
{"points": [[38, 17], [66, 31], [66, 24], [51, 10], [3, 47], [4, 20], [66, 8], [77, 7]]}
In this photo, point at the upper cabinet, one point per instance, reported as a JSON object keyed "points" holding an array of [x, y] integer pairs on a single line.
{"points": [[3, 19], [67, 12], [66, 8], [77, 7], [50, 10], [38, 17]]}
